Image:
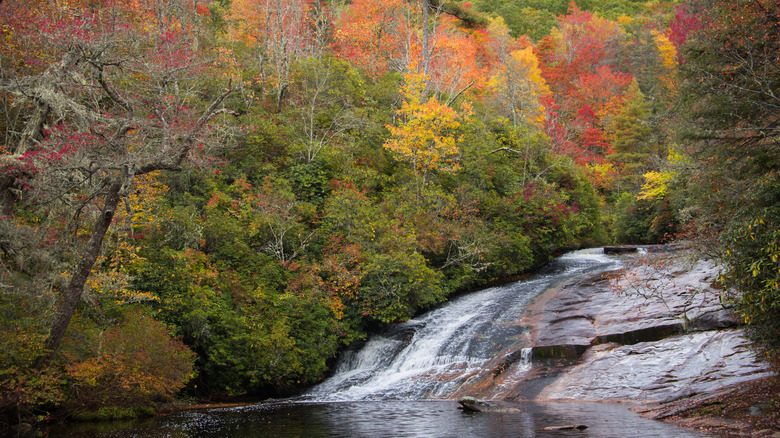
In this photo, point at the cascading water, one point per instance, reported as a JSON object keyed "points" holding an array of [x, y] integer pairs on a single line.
{"points": [[451, 349]]}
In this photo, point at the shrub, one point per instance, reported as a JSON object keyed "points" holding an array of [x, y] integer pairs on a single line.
{"points": [[137, 364]]}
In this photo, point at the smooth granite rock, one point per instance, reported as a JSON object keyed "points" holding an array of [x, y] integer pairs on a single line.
{"points": [[663, 370], [654, 333]]}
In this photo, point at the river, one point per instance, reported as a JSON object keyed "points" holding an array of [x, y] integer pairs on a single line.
{"points": [[404, 381], [380, 419]]}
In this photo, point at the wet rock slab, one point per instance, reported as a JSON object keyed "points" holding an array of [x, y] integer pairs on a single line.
{"points": [[653, 334], [662, 370], [599, 309]]}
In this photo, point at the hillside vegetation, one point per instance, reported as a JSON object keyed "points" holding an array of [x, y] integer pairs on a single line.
{"points": [[213, 198]]}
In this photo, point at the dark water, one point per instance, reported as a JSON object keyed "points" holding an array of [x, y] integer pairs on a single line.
{"points": [[384, 419]]}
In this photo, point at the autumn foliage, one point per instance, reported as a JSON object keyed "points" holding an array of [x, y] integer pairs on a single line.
{"points": [[136, 364], [216, 197]]}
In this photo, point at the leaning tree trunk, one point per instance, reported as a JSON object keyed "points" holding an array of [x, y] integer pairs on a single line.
{"points": [[76, 285]]}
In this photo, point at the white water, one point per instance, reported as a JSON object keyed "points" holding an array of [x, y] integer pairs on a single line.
{"points": [[454, 346]]}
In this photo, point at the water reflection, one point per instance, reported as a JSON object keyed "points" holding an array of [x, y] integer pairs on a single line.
{"points": [[383, 419]]}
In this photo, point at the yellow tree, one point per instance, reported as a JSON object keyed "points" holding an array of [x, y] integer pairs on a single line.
{"points": [[667, 52], [428, 134], [518, 86]]}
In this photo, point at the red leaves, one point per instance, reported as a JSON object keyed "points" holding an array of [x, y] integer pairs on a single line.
{"points": [[202, 10], [683, 24]]}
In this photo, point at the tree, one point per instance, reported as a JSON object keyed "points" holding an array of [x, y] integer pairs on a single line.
{"points": [[683, 23], [604, 91], [582, 42], [593, 146], [631, 140], [518, 87], [372, 261], [282, 31], [457, 60], [428, 135], [323, 93], [731, 78], [374, 35], [118, 100]]}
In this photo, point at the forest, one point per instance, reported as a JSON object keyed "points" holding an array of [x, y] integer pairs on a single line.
{"points": [[209, 200]]}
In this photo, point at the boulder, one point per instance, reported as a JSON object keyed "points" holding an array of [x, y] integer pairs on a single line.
{"points": [[472, 404]]}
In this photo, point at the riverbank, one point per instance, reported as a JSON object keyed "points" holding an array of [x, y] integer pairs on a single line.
{"points": [[742, 409], [657, 332]]}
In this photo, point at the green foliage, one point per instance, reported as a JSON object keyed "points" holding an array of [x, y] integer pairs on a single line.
{"points": [[532, 21], [394, 280], [752, 260], [644, 221], [311, 182], [395, 288], [632, 141], [729, 88], [632, 220], [26, 390]]}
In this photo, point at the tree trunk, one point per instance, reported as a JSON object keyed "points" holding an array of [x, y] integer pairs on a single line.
{"points": [[425, 50], [76, 286]]}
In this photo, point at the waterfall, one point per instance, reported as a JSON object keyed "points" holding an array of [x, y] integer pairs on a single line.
{"points": [[458, 347]]}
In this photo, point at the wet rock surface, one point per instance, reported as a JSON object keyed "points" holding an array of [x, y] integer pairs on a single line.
{"points": [[656, 332], [671, 368], [744, 409], [472, 404]]}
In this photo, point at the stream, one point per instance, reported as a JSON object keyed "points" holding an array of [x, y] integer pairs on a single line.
{"points": [[404, 381], [451, 351]]}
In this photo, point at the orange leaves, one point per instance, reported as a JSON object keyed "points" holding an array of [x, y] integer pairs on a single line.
{"points": [[373, 34], [248, 21], [457, 61], [137, 363], [386, 35]]}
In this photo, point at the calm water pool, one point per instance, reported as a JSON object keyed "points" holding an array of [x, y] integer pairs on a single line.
{"points": [[382, 419]]}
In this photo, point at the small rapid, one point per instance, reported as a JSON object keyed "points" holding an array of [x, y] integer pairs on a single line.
{"points": [[450, 349]]}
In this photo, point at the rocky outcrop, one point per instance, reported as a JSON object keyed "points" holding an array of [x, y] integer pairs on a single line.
{"points": [[671, 368], [657, 331], [472, 404]]}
